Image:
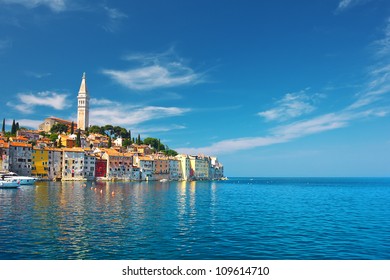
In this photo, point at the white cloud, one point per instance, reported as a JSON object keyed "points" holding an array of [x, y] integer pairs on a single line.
{"points": [[155, 71], [109, 112], [292, 105], [346, 4], [383, 44], [29, 123], [378, 86], [38, 75], [101, 102], [114, 14], [114, 18], [28, 101], [159, 128], [286, 133], [232, 145], [54, 5]]}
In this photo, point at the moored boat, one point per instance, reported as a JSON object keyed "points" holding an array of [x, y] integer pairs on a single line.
{"points": [[24, 180], [10, 184]]}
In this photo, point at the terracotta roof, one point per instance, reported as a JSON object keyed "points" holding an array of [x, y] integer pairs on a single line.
{"points": [[4, 144], [60, 120], [145, 158], [76, 150], [18, 144], [128, 154]]}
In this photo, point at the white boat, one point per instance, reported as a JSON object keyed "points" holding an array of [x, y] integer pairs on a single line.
{"points": [[10, 184], [24, 180], [163, 180]]}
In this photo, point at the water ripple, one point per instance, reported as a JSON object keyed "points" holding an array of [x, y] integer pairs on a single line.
{"points": [[257, 218]]}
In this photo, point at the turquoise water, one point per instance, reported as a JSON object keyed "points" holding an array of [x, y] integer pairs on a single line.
{"points": [[243, 218]]}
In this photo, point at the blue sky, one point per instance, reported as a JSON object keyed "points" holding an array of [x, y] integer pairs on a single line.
{"points": [[273, 88]]}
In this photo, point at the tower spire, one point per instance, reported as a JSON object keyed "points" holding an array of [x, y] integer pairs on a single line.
{"points": [[83, 105], [83, 85]]}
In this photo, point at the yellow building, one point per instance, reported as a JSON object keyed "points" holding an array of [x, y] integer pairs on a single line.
{"points": [[40, 163]]}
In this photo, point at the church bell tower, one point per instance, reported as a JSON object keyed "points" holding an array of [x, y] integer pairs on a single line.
{"points": [[83, 106]]}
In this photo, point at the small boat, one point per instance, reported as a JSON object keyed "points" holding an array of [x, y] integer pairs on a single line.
{"points": [[10, 184], [24, 180], [163, 180]]}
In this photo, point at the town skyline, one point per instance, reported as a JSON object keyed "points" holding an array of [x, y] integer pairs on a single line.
{"points": [[291, 89]]}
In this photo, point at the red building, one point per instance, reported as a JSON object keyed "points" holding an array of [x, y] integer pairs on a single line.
{"points": [[101, 168]]}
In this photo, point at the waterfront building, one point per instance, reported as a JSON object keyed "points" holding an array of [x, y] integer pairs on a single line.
{"points": [[185, 166], [119, 165], [200, 167], [83, 105], [20, 158], [40, 163], [146, 166], [135, 174], [161, 168], [100, 168], [73, 164], [89, 165], [4, 156], [55, 163], [174, 169], [216, 169]]}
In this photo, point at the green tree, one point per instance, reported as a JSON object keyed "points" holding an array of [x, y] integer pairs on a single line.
{"points": [[3, 129], [59, 142], [126, 142], [32, 142], [72, 128], [94, 129], [109, 128], [170, 152], [109, 142], [152, 142], [129, 135], [13, 128], [78, 138], [139, 142], [53, 137], [59, 128], [17, 126]]}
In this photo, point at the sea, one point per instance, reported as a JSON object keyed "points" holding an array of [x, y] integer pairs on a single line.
{"points": [[241, 218]]}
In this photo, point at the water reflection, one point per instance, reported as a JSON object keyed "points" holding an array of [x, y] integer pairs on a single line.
{"points": [[192, 220]]}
